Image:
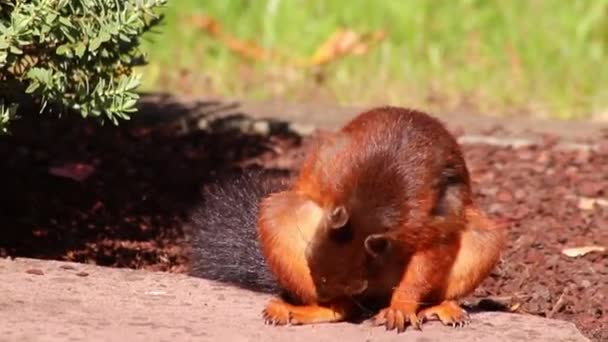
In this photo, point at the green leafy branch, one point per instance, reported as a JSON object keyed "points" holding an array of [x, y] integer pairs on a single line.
{"points": [[73, 55]]}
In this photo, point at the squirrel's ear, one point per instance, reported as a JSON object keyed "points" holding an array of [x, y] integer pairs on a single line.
{"points": [[338, 217], [377, 245], [451, 192]]}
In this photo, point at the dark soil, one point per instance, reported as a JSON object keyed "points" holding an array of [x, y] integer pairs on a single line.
{"points": [[146, 176]]}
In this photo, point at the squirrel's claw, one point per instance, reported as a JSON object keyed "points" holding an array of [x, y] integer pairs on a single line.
{"points": [[448, 312], [396, 318], [275, 313]]}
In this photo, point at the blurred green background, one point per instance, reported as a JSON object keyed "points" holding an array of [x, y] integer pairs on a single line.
{"points": [[543, 58]]}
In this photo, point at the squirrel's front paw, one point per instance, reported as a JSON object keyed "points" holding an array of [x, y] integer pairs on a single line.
{"points": [[397, 317], [448, 312], [277, 312]]}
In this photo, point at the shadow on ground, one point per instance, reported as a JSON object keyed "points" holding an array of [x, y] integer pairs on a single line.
{"points": [[147, 174]]}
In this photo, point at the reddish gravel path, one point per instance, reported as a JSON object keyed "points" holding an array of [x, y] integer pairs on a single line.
{"points": [[542, 191]]}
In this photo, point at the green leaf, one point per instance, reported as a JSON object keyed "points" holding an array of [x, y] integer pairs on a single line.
{"points": [[130, 103], [94, 44], [50, 18], [68, 34], [80, 49], [65, 21], [41, 75], [32, 87], [63, 49], [105, 36], [133, 82], [124, 38], [15, 50], [113, 28]]}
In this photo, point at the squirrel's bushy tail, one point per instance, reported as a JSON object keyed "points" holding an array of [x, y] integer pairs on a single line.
{"points": [[222, 233]]}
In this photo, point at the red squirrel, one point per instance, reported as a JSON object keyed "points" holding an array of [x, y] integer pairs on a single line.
{"points": [[381, 210]]}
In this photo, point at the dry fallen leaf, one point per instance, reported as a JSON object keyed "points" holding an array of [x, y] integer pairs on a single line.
{"points": [[343, 42], [580, 251], [338, 44], [587, 203], [207, 23], [515, 307], [214, 28], [76, 171]]}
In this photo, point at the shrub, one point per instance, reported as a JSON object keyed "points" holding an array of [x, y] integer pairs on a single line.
{"points": [[72, 55]]}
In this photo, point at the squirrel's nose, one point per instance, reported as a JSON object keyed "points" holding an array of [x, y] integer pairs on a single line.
{"points": [[357, 288]]}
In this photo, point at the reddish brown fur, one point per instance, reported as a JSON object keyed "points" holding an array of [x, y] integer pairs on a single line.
{"points": [[399, 175], [480, 247], [284, 248]]}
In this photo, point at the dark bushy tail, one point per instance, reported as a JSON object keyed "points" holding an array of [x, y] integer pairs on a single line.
{"points": [[223, 237]]}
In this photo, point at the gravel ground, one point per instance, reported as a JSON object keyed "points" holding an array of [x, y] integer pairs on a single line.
{"points": [[119, 196]]}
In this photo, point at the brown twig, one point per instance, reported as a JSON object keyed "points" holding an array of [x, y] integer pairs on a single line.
{"points": [[558, 305]]}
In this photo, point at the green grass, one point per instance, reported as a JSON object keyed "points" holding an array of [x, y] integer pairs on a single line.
{"points": [[537, 57]]}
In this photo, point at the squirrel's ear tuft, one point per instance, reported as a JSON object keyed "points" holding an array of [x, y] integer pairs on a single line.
{"points": [[338, 217], [377, 245]]}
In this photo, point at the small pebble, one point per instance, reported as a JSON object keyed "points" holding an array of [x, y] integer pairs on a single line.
{"points": [[520, 194], [504, 196], [203, 124], [302, 129], [35, 271], [590, 188], [261, 127], [495, 208]]}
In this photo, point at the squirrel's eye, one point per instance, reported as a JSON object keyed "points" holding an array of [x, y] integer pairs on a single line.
{"points": [[343, 234]]}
